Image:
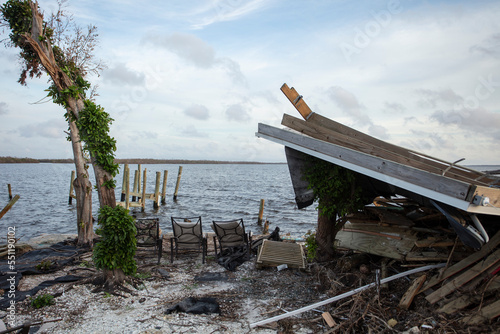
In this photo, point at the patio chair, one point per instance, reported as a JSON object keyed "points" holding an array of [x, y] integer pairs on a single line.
{"points": [[188, 235], [149, 235], [230, 234]]}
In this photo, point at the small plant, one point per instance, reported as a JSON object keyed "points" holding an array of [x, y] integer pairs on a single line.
{"points": [[311, 245], [44, 265], [42, 300], [142, 275], [86, 264], [191, 287], [107, 295]]}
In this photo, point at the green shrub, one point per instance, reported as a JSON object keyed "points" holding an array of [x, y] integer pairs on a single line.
{"points": [[311, 245], [42, 300], [117, 247]]}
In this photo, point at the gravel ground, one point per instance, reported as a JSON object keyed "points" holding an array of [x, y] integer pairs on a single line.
{"points": [[245, 296]]}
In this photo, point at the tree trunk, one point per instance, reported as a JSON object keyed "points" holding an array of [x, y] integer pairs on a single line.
{"points": [[113, 278], [83, 192], [325, 237], [106, 195]]}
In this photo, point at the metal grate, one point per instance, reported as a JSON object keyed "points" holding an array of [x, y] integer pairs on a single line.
{"points": [[275, 253]]}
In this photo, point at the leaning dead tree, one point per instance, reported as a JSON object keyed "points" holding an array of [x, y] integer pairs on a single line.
{"points": [[88, 123]]}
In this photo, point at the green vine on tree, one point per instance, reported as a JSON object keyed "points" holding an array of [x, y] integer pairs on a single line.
{"points": [[93, 123], [117, 247]]}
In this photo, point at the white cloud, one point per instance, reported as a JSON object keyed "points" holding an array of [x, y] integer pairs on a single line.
{"points": [[237, 113], [53, 128], [197, 111], [4, 108]]}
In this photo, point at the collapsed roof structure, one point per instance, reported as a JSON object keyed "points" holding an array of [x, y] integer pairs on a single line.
{"points": [[463, 195]]}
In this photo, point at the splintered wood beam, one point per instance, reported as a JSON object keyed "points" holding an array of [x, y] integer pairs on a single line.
{"points": [[297, 101]]}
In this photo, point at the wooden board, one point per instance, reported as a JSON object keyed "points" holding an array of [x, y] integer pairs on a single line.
{"points": [[386, 171], [275, 253], [464, 278], [412, 292], [376, 244], [412, 156], [470, 260], [486, 314]]}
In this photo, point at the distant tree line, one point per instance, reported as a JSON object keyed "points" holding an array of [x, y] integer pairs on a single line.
{"points": [[6, 160]]}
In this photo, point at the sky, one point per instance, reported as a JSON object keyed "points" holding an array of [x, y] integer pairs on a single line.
{"points": [[192, 79]]}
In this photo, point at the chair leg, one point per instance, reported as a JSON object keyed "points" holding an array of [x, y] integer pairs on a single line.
{"points": [[172, 250], [215, 247], [160, 249], [203, 250]]}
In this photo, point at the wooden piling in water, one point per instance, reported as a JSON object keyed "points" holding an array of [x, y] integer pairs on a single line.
{"points": [[156, 203], [10, 191], [143, 199], [139, 179], [71, 188], [127, 188], [261, 212], [135, 189], [122, 197], [177, 183], [164, 189]]}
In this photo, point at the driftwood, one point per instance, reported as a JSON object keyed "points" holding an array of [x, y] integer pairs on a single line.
{"points": [[9, 206], [25, 328]]}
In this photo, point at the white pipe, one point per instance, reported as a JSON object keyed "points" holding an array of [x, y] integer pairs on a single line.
{"points": [[480, 227], [344, 295]]}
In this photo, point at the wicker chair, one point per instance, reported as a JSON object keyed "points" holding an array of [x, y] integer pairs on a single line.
{"points": [[148, 234], [230, 234], [188, 235]]}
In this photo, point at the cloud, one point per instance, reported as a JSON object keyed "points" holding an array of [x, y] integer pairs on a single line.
{"points": [[479, 120], [196, 52], [187, 46], [229, 10], [238, 113], [50, 129], [122, 75], [491, 47], [349, 104], [395, 107], [4, 108], [192, 131], [433, 98], [197, 111]]}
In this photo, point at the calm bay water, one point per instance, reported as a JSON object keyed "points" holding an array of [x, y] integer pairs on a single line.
{"points": [[214, 192]]}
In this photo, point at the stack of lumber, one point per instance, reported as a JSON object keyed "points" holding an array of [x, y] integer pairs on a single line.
{"points": [[471, 284], [401, 230]]}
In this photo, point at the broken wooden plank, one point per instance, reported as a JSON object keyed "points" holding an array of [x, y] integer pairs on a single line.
{"points": [[433, 242], [9, 206], [426, 256], [297, 101], [329, 319], [412, 292], [486, 314], [376, 244], [473, 258], [406, 177], [464, 278], [469, 299]]}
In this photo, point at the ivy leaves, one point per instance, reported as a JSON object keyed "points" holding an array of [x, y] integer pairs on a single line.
{"points": [[334, 187], [93, 123], [117, 247]]}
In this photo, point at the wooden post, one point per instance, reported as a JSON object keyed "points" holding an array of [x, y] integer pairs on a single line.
{"points": [[164, 189], [8, 206], [135, 189], [127, 188], [156, 203], [261, 212], [70, 197], [177, 183], [139, 179], [122, 198], [143, 199], [10, 191]]}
